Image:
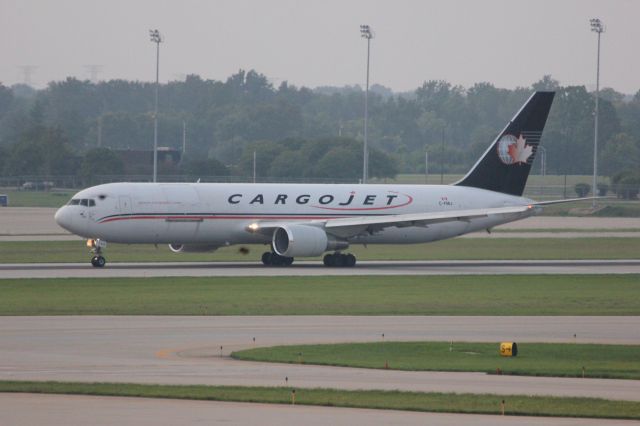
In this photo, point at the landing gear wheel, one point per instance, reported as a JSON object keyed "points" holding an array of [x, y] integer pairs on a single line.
{"points": [[329, 260], [339, 260], [274, 259], [287, 261], [98, 261], [350, 260]]}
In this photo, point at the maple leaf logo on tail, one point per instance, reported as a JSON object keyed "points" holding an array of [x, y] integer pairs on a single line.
{"points": [[519, 151], [514, 151]]}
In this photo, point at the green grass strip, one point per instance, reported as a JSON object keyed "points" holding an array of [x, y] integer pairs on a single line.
{"points": [[38, 198], [453, 249], [348, 295], [389, 400], [561, 230], [533, 359]]}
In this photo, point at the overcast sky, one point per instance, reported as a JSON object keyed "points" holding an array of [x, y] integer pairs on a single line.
{"points": [[316, 43]]}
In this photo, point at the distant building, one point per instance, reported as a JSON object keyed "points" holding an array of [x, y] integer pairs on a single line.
{"points": [[140, 162]]}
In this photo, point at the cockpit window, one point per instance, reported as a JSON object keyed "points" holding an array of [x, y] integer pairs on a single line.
{"points": [[87, 202]]}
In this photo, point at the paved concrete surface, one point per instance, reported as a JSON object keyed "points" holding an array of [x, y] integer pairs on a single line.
{"points": [[37, 224], [186, 350], [72, 410], [315, 268], [29, 221]]}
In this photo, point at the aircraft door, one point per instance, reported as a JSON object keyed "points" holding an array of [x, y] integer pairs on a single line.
{"points": [[91, 212], [125, 204]]}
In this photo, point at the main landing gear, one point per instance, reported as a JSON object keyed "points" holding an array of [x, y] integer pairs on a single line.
{"points": [[331, 260], [96, 246], [339, 259], [274, 259]]}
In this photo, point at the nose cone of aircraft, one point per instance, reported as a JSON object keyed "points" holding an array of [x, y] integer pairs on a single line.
{"points": [[63, 218]]}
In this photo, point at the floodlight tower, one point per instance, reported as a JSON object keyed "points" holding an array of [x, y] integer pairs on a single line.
{"points": [[597, 27], [156, 38], [27, 73], [365, 32], [93, 69]]}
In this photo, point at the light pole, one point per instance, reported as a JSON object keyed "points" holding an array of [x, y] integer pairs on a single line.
{"points": [[365, 32], [254, 167], [543, 166], [426, 167], [597, 27], [543, 160], [156, 38]]}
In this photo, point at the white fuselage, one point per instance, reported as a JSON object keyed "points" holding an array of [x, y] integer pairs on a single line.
{"points": [[218, 214]]}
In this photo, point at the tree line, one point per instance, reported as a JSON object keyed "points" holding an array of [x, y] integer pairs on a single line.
{"points": [[297, 132]]}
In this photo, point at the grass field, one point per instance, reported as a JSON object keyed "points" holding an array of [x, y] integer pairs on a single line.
{"points": [[560, 230], [378, 295], [534, 359], [389, 400], [38, 198], [454, 249]]}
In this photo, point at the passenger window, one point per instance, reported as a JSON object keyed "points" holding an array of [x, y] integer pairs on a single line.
{"points": [[84, 202], [92, 203]]}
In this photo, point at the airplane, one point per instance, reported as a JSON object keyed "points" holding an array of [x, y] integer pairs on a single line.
{"points": [[308, 220]]}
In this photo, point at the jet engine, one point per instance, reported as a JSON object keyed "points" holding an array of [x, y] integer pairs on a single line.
{"points": [[304, 241], [191, 248]]}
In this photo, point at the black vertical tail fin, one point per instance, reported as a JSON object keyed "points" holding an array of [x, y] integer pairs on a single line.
{"points": [[505, 166]]}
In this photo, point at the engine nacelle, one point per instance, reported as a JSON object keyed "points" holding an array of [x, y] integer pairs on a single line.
{"points": [[304, 241], [191, 248]]}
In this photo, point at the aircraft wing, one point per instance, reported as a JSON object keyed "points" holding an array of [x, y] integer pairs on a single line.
{"points": [[355, 225]]}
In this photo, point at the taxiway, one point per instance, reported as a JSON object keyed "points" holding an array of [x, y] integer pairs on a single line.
{"points": [[65, 410], [187, 350]]}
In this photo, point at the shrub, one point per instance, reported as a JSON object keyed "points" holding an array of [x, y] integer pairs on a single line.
{"points": [[603, 188], [582, 189], [626, 184]]}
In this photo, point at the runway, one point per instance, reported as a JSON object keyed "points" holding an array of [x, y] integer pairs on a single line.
{"points": [[186, 350], [65, 410], [315, 268]]}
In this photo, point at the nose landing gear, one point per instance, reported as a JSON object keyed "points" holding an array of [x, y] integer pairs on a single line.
{"points": [[98, 261], [96, 246]]}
